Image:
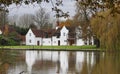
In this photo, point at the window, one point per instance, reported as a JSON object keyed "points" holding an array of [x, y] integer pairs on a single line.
{"points": [[30, 41], [58, 35], [29, 34], [63, 34], [65, 40]]}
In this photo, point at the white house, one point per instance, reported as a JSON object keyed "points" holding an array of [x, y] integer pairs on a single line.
{"points": [[60, 36], [39, 37]]}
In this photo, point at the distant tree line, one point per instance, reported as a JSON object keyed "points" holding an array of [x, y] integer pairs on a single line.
{"points": [[40, 19]]}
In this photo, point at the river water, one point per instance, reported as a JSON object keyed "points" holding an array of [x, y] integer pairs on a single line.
{"points": [[58, 62]]}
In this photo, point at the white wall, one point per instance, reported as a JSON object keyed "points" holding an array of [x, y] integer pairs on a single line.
{"points": [[38, 39], [63, 36], [63, 41], [55, 41], [30, 36], [79, 42], [46, 41]]}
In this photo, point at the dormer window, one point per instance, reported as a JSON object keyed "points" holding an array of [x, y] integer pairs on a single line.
{"points": [[63, 34], [29, 34]]}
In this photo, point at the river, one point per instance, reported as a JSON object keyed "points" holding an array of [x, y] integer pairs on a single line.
{"points": [[58, 62]]}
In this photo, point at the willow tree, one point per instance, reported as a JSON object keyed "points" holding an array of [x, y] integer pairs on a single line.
{"points": [[106, 27]]}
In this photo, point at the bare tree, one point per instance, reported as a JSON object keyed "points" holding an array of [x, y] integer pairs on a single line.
{"points": [[3, 17], [12, 19], [41, 18], [25, 20], [82, 18]]}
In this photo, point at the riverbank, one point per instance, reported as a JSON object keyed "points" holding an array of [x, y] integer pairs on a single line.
{"points": [[54, 48]]}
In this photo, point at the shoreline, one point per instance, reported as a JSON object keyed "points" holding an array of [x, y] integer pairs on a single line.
{"points": [[53, 48], [84, 50]]}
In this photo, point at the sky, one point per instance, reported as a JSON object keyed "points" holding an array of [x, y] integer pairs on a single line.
{"points": [[68, 6]]}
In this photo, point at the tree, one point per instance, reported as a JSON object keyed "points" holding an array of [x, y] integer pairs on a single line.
{"points": [[25, 20], [82, 19], [8, 2], [98, 5], [92, 4], [13, 19], [20, 30], [3, 17], [41, 18], [68, 22], [106, 29]]}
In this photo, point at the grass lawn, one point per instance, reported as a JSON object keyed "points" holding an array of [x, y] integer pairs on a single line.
{"points": [[85, 47]]}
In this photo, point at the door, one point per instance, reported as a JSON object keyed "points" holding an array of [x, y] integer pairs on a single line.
{"points": [[58, 42], [38, 43]]}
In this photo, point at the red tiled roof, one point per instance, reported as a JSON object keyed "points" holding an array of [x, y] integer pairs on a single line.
{"points": [[51, 32], [38, 33], [43, 33]]}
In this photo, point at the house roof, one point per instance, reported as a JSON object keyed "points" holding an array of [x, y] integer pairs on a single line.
{"points": [[37, 33], [57, 32], [43, 32], [52, 32]]}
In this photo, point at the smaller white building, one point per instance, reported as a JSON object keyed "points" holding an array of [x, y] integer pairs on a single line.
{"points": [[79, 42]]}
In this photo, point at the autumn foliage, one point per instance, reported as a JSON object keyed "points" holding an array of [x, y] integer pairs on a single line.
{"points": [[106, 27], [68, 22]]}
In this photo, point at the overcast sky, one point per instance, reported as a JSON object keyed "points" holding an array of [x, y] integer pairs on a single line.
{"points": [[68, 6]]}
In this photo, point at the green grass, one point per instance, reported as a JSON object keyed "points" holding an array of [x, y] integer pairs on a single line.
{"points": [[85, 47]]}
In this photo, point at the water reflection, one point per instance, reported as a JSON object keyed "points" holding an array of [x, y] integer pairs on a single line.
{"points": [[17, 69], [79, 61], [6, 59], [64, 62], [58, 58], [31, 57]]}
